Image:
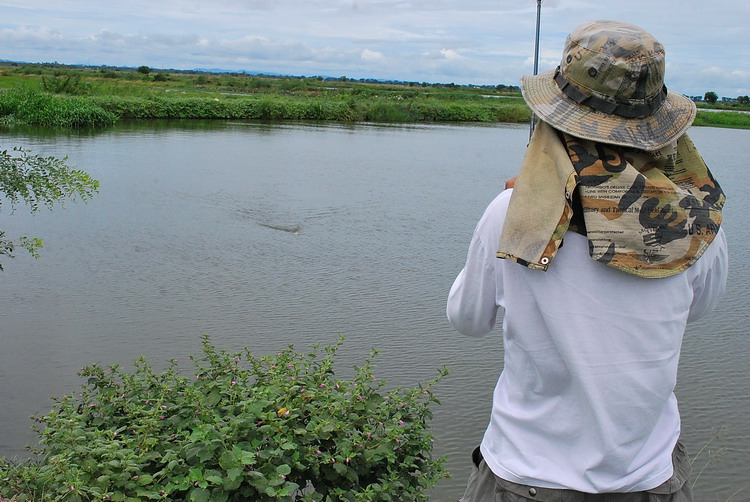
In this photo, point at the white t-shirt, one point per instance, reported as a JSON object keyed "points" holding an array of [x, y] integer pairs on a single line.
{"points": [[585, 399]]}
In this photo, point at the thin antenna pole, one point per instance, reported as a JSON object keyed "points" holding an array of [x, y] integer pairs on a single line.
{"points": [[536, 57]]}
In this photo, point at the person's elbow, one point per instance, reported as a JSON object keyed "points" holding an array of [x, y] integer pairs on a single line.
{"points": [[468, 322]]}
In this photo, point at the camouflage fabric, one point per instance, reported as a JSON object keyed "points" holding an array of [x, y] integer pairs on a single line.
{"points": [[610, 88], [650, 214]]}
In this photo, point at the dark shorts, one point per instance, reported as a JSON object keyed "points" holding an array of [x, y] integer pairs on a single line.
{"points": [[484, 486]]}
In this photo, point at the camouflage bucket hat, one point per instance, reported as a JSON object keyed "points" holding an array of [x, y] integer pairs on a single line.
{"points": [[610, 88]]}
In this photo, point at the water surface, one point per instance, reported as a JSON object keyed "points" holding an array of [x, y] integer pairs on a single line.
{"points": [[264, 235]]}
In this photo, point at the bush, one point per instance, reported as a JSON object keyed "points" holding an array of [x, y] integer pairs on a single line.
{"points": [[278, 427], [68, 84], [28, 106]]}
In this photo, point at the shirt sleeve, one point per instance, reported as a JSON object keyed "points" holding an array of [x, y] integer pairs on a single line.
{"points": [[709, 284], [476, 293]]}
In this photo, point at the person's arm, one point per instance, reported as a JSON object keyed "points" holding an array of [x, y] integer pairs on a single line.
{"points": [[474, 299], [472, 308], [710, 283]]}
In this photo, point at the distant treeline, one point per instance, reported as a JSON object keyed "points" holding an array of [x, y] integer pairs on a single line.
{"points": [[160, 74], [62, 96]]}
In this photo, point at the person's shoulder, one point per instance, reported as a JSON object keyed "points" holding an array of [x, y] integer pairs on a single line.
{"points": [[499, 205], [718, 246], [490, 224], [714, 259]]}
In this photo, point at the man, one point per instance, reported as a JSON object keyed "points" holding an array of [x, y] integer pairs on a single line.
{"points": [[607, 245]]}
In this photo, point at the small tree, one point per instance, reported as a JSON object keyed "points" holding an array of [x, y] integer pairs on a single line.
{"points": [[711, 97], [743, 100], [38, 181], [144, 69]]}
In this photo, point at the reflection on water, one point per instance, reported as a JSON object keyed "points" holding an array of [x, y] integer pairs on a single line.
{"points": [[269, 234]]}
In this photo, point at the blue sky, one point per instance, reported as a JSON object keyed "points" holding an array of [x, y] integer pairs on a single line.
{"points": [[460, 41]]}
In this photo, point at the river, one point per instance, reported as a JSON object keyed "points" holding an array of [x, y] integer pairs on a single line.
{"points": [[263, 235]]}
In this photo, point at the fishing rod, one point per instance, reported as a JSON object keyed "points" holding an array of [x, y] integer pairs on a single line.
{"points": [[536, 58]]}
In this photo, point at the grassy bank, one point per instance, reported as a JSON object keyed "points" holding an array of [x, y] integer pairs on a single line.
{"points": [[76, 98], [60, 96], [723, 119]]}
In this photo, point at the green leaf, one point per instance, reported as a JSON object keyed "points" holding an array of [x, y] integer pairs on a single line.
{"points": [[214, 397], [145, 479], [247, 457], [200, 495], [234, 473], [219, 495], [192, 452], [284, 470], [230, 484], [270, 491], [287, 489], [228, 460], [196, 474], [206, 453], [255, 409]]}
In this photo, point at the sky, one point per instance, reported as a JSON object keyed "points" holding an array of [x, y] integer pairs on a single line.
{"points": [[483, 42]]}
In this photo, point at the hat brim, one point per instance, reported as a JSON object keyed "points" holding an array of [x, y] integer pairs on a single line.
{"points": [[656, 131]]}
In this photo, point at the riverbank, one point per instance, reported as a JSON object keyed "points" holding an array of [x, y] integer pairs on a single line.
{"points": [[70, 97], [74, 97]]}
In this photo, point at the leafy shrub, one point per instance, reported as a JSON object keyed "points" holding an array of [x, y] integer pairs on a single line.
{"points": [[68, 84], [240, 428]]}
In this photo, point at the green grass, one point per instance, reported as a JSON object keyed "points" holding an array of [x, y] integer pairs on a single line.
{"points": [[54, 95], [64, 96], [34, 107], [723, 119], [38, 108]]}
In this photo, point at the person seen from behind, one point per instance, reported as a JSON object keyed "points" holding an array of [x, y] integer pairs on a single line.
{"points": [[604, 247]]}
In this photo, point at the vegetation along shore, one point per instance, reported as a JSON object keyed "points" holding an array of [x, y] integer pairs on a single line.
{"points": [[72, 96]]}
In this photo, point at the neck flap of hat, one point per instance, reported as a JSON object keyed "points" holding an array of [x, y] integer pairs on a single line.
{"points": [[649, 214]]}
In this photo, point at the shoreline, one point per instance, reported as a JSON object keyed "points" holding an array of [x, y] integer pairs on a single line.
{"points": [[71, 97]]}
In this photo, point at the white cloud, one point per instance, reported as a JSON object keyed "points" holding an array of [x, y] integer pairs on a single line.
{"points": [[369, 55], [450, 54], [466, 41], [29, 36]]}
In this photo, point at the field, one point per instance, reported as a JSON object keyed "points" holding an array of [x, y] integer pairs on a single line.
{"points": [[74, 96]]}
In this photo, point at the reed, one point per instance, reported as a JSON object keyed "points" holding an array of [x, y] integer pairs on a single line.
{"points": [[88, 98], [124, 94], [37, 108], [735, 120], [278, 107]]}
